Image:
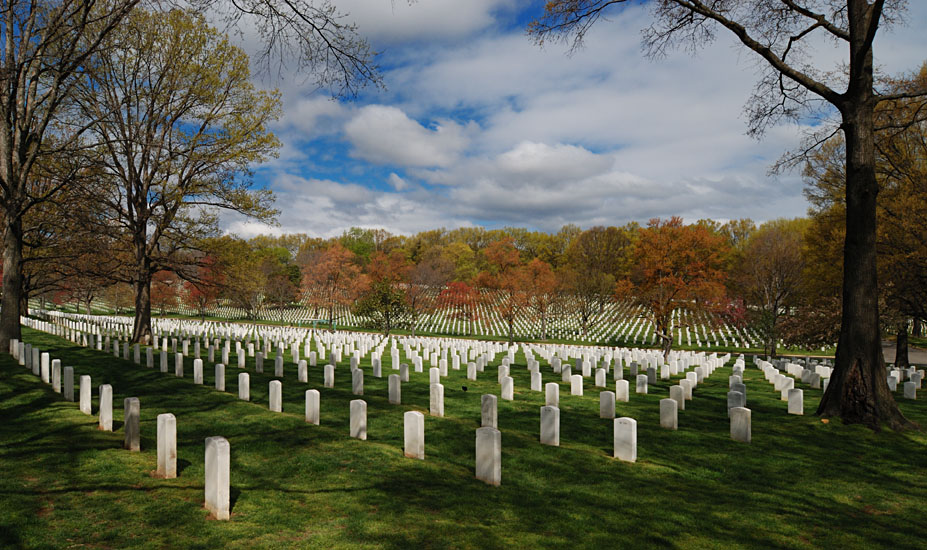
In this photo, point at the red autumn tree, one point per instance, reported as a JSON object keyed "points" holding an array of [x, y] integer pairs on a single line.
{"points": [[164, 290], [332, 278], [461, 300], [204, 292], [541, 286], [674, 266], [506, 279], [423, 281]]}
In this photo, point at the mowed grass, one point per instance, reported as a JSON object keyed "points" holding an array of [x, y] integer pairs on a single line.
{"points": [[800, 484]]}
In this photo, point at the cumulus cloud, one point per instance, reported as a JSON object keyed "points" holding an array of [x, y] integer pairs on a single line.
{"points": [[397, 181], [386, 135], [483, 127], [395, 22]]}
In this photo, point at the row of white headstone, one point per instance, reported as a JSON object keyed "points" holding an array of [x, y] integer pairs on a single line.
{"points": [[62, 381], [607, 399]]}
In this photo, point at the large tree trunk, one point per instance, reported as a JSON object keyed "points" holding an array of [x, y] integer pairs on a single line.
{"points": [[901, 347], [858, 391], [12, 282], [141, 329]]}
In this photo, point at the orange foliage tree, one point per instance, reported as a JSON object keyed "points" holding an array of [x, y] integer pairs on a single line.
{"points": [[164, 291], [541, 285], [332, 278], [204, 291], [461, 300], [674, 266], [506, 278], [423, 280]]}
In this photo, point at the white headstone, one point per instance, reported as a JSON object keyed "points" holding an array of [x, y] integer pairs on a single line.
{"points": [[220, 377], [576, 384], [536, 381], [796, 402], [668, 415], [622, 390], [131, 416], [85, 393], [508, 388], [678, 394], [45, 368], [488, 411], [395, 389], [244, 386], [359, 419], [625, 439], [489, 455], [735, 399], [552, 394], [550, 426], [357, 382], [167, 446], [313, 399], [56, 375], [106, 408], [218, 466], [414, 431], [607, 405], [276, 396], [436, 400], [740, 424], [69, 383]]}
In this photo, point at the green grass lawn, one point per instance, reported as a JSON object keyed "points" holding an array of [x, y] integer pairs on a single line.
{"points": [[800, 484]]}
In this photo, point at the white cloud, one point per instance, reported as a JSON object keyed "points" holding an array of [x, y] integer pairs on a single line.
{"points": [[385, 135], [479, 125], [391, 22], [397, 182], [326, 208]]}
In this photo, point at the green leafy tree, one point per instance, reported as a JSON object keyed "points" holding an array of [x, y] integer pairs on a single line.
{"points": [[384, 304], [179, 123]]}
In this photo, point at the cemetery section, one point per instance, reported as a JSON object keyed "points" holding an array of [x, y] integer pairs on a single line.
{"points": [[333, 443]]}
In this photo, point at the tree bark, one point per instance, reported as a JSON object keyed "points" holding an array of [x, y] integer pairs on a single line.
{"points": [[12, 281], [901, 347], [141, 328], [858, 391]]}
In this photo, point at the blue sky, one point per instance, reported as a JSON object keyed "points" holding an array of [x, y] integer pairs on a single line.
{"points": [[479, 126]]}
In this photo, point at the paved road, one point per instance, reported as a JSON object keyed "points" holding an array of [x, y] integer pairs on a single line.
{"points": [[916, 356]]}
